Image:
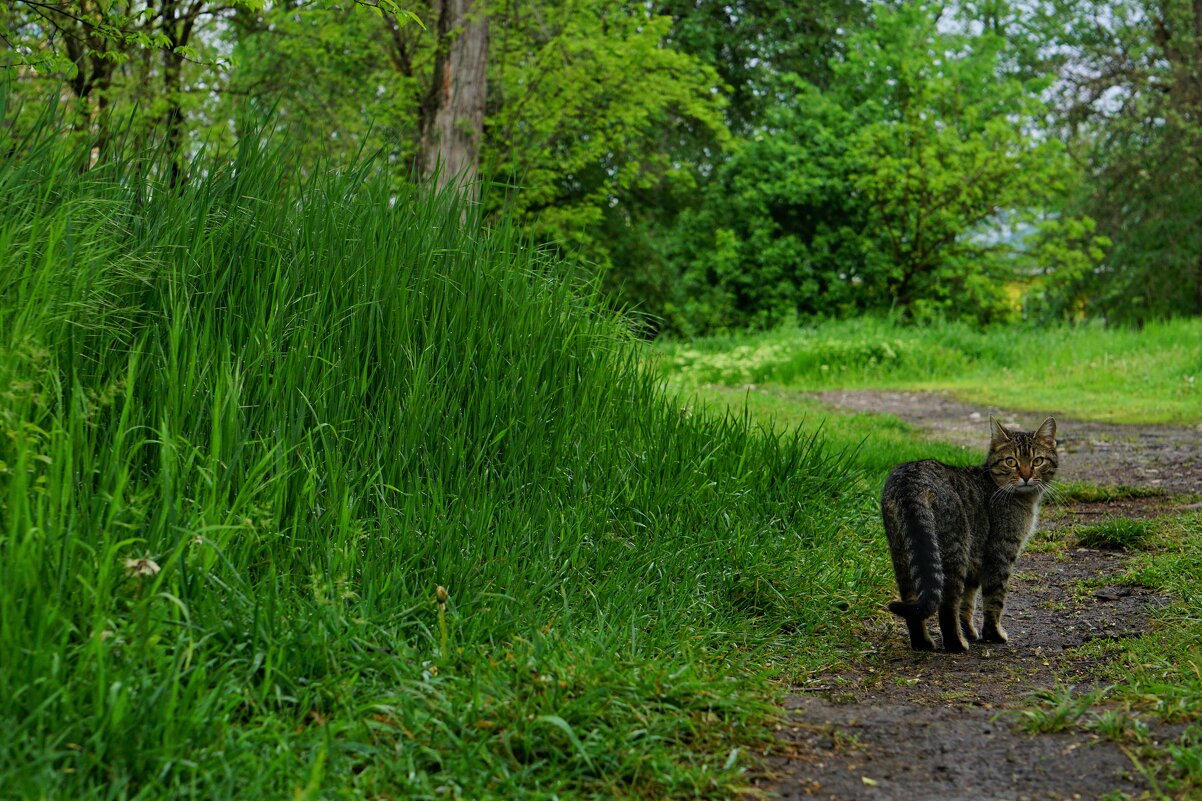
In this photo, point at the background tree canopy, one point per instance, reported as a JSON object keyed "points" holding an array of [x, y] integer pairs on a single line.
{"points": [[713, 165]]}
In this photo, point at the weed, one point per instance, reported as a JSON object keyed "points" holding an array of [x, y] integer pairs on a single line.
{"points": [[1186, 754], [1118, 725], [1047, 540], [1056, 710], [1117, 533]]}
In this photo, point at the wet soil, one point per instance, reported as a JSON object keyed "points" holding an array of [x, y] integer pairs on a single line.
{"points": [[903, 725], [903, 752]]}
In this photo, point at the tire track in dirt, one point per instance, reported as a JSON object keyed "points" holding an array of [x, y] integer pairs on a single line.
{"points": [[911, 726]]}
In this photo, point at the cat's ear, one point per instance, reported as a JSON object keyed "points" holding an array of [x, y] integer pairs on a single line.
{"points": [[1047, 431], [998, 433]]}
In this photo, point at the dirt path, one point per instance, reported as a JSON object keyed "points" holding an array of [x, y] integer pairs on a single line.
{"points": [[909, 726], [1169, 457]]}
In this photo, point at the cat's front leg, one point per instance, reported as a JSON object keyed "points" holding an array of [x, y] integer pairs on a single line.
{"points": [[949, 626], [968, 605], [994, 592]]}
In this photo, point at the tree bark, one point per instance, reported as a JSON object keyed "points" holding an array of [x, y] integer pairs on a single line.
{"points": [[1196, 81], [174, 118], [452, 115]]}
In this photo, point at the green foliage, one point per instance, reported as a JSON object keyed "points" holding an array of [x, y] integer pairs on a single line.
{"points": [[1132, 93], [596, 109], [718, 165], [341, 81], [592, 132], [110, 31], [121, 62], [250, 427], [753, 44], [1117, 726], [899, 186], [774, 230]]}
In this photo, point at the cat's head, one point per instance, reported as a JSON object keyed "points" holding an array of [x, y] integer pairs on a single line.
{"points": [[1022, 461]]}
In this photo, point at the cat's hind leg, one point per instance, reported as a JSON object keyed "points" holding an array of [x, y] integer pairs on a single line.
{"points": [[920, 638]]}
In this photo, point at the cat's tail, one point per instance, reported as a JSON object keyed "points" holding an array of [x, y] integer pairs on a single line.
{"points": [[926, 564]]}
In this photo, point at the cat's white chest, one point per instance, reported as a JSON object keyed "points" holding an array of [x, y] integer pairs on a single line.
{"points": [[1034, 524]]}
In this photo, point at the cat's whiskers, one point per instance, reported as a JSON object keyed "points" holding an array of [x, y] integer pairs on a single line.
{"points": [[1005, 491], [1054, 492]]}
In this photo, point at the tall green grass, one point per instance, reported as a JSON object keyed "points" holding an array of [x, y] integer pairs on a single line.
{"points": [[877, 442], [1150, 375], [248, 427]]}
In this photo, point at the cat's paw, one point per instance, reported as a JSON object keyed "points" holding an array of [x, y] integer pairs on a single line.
{"points": [[956, 647], [995, 634], [970, 633], [922, 644]]}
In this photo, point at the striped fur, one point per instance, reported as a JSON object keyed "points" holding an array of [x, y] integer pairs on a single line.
{"points": [[955, 532]]}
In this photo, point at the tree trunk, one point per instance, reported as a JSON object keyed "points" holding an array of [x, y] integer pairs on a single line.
{"points": [[174, 118], [177, 23], [452, 115], [1198, 286], [1196, 86]]}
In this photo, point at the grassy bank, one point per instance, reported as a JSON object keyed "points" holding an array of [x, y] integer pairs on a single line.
{"points": [[875, 442], [1152, 375], [251, 426]]}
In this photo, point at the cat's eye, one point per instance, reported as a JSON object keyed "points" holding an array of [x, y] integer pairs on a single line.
{"points": [[1037, 461], [1011, 461]]}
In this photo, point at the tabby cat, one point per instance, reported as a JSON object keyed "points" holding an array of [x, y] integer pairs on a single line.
{"points": [[956, 531]]}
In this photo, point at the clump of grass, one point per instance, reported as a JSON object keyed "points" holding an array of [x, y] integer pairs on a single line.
{"points": [[1116, 533], [1047, 540], [1186, 754], [422, 521], [1118, 725], [1056, 710]]}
